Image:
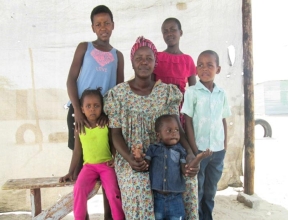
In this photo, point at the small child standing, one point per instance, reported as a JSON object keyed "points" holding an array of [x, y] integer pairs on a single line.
{"points": [[205, 107], [97, 157], [166, 160]]}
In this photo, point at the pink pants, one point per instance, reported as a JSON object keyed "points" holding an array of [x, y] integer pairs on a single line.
{"points": [[86, 180]]}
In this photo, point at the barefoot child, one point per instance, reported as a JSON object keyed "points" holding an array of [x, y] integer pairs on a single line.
{"points": [[205, 107], [95, 64], [167, 166], [97, 157]]}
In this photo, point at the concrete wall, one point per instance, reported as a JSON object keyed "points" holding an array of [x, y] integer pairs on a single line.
{"points": [[38, 40]]}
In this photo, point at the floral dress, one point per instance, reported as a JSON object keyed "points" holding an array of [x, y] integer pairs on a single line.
{"points": [[136, 115]]}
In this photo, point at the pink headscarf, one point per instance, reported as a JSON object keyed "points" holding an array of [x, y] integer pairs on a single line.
{"points": [[142, 42]]}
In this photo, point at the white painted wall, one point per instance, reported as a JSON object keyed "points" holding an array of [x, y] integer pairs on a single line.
{"points": [[51, 30]]}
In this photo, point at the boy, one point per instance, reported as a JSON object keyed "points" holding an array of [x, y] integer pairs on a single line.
{"points": [[205, 107], [95, 64], [167, 166]]}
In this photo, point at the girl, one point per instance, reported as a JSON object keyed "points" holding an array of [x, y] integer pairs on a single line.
{"points": [[173, 66], [98, 161]]}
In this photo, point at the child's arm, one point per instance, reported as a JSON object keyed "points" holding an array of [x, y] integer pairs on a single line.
{"points": [[112, 149], [137, 151], [190, 133], [74, 71], [190, 171], [149, 154], [76, 157], [183, 168], [120, 68], [200, 157], [182, 160], [192, 80], [138, 154], [103, 119], [225, 133], [183, 139]]}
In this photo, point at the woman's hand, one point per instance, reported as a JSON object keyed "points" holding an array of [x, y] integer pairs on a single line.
{"points": [[139, 166]]}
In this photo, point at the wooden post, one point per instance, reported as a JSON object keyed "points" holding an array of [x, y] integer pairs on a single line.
{"points": [[36, 208], [249, 166]]}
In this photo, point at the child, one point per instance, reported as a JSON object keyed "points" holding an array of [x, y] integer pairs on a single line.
{"points": [[173, 66], [167, 166], [98, 161], [205, 107], [95, 64]]}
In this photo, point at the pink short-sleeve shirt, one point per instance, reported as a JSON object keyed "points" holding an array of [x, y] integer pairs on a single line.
{"points": [[174, 69]]}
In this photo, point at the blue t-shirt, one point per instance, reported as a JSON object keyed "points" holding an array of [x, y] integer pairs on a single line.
{"points": [[165, 167], [99, 69]]}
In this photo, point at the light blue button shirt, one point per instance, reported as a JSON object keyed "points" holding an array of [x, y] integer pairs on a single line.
{"points": [[207, 109]]}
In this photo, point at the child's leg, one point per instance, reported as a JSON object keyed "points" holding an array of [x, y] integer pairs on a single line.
{"points": [[78, 168], [159, 206], [110, 185], [174, 207], [213, 174], [83, 186], [107, 210]]}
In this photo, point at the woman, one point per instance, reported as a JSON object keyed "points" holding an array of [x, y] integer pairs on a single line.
{"points": [[132, 108]]}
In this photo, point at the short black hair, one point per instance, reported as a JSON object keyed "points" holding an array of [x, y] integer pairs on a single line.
{"points": [[213, 53], [175, 20], [159, 121], [101, 9], [95, 92]]}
